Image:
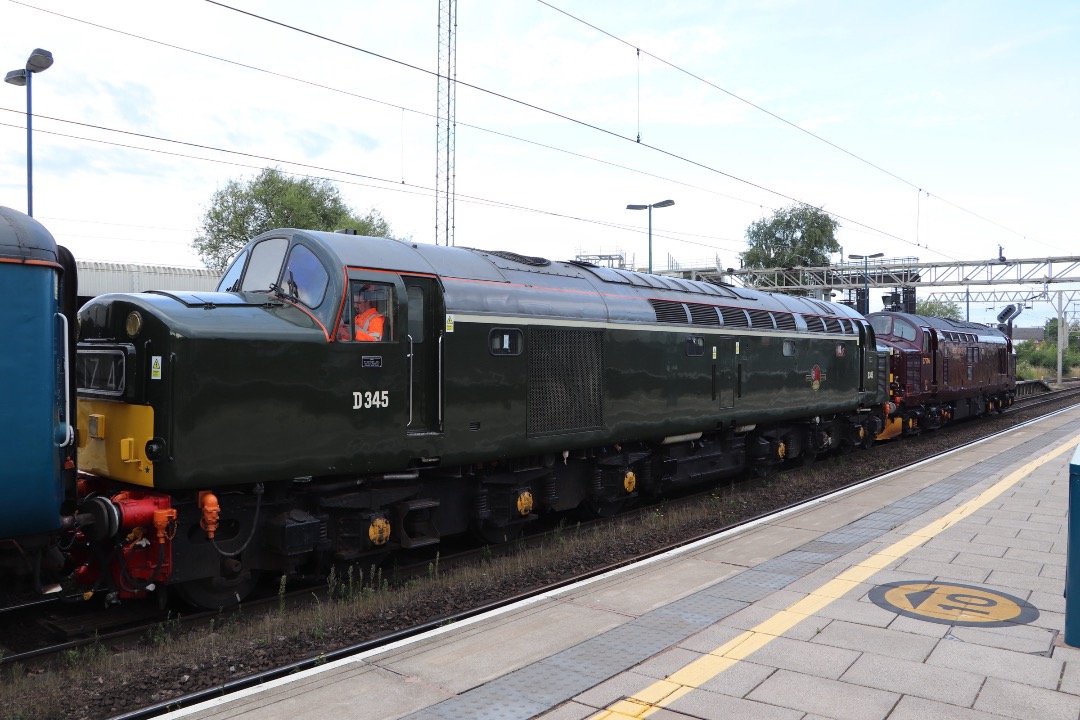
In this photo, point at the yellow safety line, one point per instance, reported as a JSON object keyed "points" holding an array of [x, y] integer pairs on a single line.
{"points": [[664, 692]]}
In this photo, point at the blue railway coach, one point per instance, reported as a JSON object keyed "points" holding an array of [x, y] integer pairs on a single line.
{"points": [[37, 398]]}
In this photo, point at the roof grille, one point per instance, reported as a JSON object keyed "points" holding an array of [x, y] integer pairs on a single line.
{"points": [[761, 319], [784, 321], [734, 317], [669, 312], [703, 314]]}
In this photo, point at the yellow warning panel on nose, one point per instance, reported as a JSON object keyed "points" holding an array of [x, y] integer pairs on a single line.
{"points": [[953, 604]]}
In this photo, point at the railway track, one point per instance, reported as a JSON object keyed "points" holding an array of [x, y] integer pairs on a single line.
{"points": [[111, 631]]}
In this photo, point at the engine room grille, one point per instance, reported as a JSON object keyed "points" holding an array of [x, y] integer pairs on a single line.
{"points": [[734, 317], [760, 319], [703, 314], [566, 380], [832, 325], [784, 321], [668, 311]]}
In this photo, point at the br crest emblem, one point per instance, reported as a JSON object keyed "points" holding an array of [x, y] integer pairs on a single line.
{"points": [[815, 377]]}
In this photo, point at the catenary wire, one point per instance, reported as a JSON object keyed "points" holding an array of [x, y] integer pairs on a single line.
{"points": [[559, 115], [322, 86], [404, 109], [773, 115], [391, 185]]}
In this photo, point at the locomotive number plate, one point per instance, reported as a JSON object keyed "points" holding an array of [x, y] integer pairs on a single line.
{"points": [[101, 371], [377, 399]]}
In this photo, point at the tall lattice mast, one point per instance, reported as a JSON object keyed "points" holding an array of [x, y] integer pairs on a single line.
{"points": [[445, 123]]}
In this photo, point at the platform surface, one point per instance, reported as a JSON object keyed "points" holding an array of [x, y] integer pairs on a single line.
{"points": [[933, 593]]}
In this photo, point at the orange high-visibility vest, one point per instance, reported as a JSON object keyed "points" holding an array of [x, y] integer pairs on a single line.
{"points": [[369, 325]]}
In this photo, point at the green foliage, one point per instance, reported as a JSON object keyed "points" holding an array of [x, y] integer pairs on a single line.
{"points": [[1035, 360], [939, 308], [1051, 331], [796, 235], [245, 208]]}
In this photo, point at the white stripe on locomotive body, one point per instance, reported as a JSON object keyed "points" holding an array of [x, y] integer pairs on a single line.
{"points": [[672, 327]]}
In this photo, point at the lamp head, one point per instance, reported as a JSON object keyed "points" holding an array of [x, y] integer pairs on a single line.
{"points": [[664, 203], [39, 60], [637, 207], [16, 77]]}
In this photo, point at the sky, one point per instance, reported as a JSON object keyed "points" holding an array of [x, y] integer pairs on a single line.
{"points": [[930, 130]]}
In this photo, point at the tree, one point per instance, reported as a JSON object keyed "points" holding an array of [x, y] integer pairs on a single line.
{"points": [[245, 208], [939, 308], [796, 235], [1051, 330]]}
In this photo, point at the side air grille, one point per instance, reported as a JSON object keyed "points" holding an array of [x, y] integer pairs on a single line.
{"points": [[734, 317], [833, 325], [784, 321], [760, 319], [703, 314], [566, 380], [668, 311]]}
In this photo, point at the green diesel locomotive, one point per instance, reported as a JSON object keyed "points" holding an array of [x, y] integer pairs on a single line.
{"points": [[341, 396]]}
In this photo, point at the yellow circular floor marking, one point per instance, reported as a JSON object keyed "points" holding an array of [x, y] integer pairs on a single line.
{"points": [[953, 603]]}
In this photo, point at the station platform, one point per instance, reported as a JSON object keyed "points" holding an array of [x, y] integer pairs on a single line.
{"points": [[934, 592]]}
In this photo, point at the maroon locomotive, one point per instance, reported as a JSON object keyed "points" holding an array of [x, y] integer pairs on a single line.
{"points": [[943, 370]]}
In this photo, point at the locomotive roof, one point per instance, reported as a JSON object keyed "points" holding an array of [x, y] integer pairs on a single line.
{"points": [[540, 273], [946, 324], [23, 238]]}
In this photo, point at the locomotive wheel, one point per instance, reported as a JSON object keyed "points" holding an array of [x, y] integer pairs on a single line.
{"points": [[806, 458], [216, 593]]}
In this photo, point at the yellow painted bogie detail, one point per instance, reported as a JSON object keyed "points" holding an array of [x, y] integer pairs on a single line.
{"points": [[112, 440], [892, 428], [629, 482], [379, 530], [781, 451], [525, 503]]}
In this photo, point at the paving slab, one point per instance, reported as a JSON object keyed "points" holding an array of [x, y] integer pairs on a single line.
{"points": [[830, 698], [1025, 702]]}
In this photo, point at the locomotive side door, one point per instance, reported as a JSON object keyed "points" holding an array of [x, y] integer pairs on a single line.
{"points": [[724, 371], [423, 341]]}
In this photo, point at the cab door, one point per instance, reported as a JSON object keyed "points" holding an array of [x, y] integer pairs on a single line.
{"points": [[423, 343], [724, 368]]}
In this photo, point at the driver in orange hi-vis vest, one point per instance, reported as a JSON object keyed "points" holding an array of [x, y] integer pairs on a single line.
{"points": [[369, 321]]}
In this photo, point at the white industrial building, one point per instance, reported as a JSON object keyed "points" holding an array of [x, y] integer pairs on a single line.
{"points": [[97, 278]]}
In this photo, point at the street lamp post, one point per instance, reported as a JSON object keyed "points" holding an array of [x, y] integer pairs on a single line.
{"points": [[38, 61], [662, 203], [865, 310]]}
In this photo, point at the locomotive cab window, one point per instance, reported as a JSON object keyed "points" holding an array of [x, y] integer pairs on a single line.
{"points": [[264, 267], [231, 281], [369, 314], [882, 324], [505, 341], [305, 278], [904, 330], [695, 346]]}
